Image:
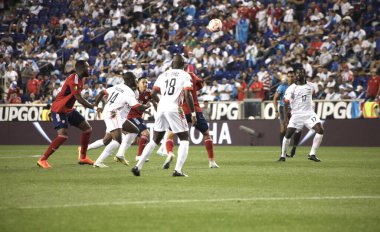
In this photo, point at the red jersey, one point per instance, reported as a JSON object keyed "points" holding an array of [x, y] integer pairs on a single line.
{"points": [[66, 97], [144, 98], [373, 86], [197, 85]]}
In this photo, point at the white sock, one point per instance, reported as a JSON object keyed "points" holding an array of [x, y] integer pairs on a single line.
{"points": [[146, 153], [183, 150], [96, 144], [107, 151], [126, 142], [316, 143], [285, 145]]}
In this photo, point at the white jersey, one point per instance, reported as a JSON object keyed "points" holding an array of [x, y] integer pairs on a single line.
{"points": [[171, 84], [120, 100], [300, 98]]}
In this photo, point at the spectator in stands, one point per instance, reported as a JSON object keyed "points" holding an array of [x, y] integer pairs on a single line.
{"points": [[373, 86]]}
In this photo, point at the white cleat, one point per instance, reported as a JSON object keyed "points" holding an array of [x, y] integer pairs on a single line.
{"points": [[168, 160], [121, 160], [212, 164], [100, 165]]}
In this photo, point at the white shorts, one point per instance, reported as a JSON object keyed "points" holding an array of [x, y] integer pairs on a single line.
{"points": [[113, 123], [298, 121], [174, 120]]}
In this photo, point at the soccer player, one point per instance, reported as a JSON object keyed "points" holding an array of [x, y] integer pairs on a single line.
{"points": [[121, 99], [280, 112], [132, 126], [174, 85], [201, 126], [136, 117], [63, 112], [299, 96]]}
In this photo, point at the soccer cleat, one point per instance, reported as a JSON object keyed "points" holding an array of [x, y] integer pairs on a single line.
{"points": [[293, 152], [86, 160], [135, 170], [287, 156], [180, 174], [100, 165], [121, 160], [43, 164], [282, 159], [212, 164], [314, 158], [168, 160]]}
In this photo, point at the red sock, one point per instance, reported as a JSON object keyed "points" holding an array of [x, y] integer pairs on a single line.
{"points": [[84, 140], [210, 148], [142, 142], [54, 145], [169, 145]]}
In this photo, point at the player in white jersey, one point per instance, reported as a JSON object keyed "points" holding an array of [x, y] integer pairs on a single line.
{"points": [[174, 86], [299, 96], [121, 98]]}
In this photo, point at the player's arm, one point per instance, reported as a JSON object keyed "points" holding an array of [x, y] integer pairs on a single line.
{"points": [[84, 102], [275, 100], [190, 102], [100, 97]]}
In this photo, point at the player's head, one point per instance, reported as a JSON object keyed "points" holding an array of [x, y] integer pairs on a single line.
{"points": [[299, 74], [290, 77], [178, 62], [142, 84], [130, 80], [81, 68]]}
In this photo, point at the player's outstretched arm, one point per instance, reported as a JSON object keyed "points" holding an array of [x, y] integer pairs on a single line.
{"points": [[190, 102], [99, 98], [84, 102], [275, 100]]}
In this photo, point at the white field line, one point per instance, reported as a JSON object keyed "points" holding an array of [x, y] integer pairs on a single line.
{"points": [[185, 201], [19, 157]]}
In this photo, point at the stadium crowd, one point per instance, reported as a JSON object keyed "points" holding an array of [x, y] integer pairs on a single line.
{"points": [[337, 41]]}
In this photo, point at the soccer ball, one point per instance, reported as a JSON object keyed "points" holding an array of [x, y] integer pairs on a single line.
{"points": [[214, 25]]}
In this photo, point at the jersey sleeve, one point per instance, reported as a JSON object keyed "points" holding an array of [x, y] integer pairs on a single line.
{"points": [[75, 88], [157, 84], [187, 85], [131, 99], [289, 93]]}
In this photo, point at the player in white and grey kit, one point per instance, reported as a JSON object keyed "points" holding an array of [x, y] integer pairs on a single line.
{"points": [[174, 86], [299, 96]]}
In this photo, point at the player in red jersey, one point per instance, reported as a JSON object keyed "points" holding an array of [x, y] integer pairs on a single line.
{"points": [[63, 112], [201, 126], [136, 117]]}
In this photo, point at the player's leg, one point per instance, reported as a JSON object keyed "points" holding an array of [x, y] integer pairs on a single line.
{"points": [[285, 142], [157, 137], [160, 126], [169, 148], [161, 151], [60, 124], [296, 141], [202, 126], [116, 136], [144, 137], [316, 141], [100, 142], [282, 124], [127, 141], [183, 151], [77, 120]]}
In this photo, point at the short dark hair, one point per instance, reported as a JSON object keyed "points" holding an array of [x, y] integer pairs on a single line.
{"points": [[80, 63]]}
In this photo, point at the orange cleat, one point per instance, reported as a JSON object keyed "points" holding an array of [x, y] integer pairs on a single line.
{"points": [[86, 160], [43, 164]]}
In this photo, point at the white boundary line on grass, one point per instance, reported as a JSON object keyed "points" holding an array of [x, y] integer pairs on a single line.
{"points": [[184, 201]]}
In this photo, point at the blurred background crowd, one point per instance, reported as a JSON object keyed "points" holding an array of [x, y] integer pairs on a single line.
{"points": [[337, 41]]}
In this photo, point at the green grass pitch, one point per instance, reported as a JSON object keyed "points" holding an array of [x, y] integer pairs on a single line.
{"points": [[249, 192]]}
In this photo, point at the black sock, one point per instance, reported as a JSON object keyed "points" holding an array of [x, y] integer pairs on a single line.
{"points": [[296, 138]]}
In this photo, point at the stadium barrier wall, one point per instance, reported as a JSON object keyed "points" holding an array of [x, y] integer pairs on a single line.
{"points": [[345, 132], [249, 109]]}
